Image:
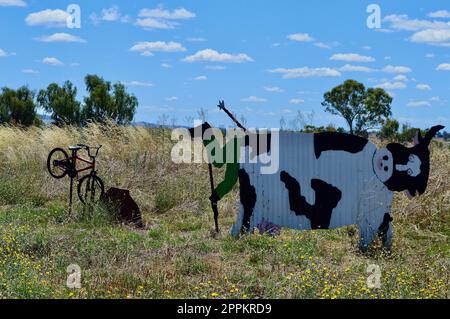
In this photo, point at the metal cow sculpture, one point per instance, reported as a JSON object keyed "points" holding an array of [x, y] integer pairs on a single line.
{"points": [[329, 180], [324, 180]]}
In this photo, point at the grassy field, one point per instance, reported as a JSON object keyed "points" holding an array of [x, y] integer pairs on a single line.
{"points": [[176, 256]]}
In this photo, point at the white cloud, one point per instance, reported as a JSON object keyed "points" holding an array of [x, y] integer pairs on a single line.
{"points": [[49, 18], [355, 68], [296, 101], [166, 65], [12, 3], [432, 36], [404, 23], [160, 13], [435, 99], [138, 84], [201, 78], [396, 69], [418, 103], [443, 67], [392, 85], [61, 37], [196, 39], [52, 61], [171, 98], [439, 14], [351, 57], [215, 67], [328, 46], [401, 77], [30, 71], [273, 89], [146, 48], [3, 53], [300, 37], [367, 47], [306, 72], [254, 99], [423, 87], [150, 23], [429, 55], [209, 55], [110, 15], [160, 18], [322, 45]]}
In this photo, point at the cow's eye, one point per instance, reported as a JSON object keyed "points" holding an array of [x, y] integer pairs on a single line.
{"points": [[386, 168], [385, 157], [409, 171]]}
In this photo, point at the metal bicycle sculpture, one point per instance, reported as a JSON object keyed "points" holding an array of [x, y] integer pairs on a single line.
{"points": [[90, 187]]}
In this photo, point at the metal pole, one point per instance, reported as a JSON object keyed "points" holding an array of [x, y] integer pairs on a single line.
{"points": [[213, 204], [70, 195]]}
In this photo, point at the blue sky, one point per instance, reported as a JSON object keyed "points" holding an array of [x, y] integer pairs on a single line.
{"points": [[266, 59]]}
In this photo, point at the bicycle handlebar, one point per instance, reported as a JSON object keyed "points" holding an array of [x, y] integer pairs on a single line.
{"points": [[88, 149]]}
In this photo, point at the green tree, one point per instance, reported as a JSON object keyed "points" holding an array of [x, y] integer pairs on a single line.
{"points": [[18, 107], [362, 108], [107, 101], [61, 102], [390, 129]]}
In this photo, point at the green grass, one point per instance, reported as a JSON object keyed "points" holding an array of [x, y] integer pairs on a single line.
{"points": [[176, 255], [182, 261]]}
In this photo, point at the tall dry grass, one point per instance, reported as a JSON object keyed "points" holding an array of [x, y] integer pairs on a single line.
{"points": [[134, 158], [138, 158]]}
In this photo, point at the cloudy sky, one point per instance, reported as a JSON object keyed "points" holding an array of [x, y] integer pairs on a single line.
{"points": [[266, 59]]}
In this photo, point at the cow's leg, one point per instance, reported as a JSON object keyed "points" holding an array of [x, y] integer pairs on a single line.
{"points": [[385, 231], [380, 227], [247, 194], [367, 234]]}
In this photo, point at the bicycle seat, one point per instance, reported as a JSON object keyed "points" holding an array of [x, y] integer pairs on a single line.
{"points": [[75, 147]]}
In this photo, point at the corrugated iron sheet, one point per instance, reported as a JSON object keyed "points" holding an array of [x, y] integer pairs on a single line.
{"points": [[364, 197]]}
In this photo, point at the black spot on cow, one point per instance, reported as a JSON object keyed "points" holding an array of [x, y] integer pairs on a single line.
{"points": [[333, 141], [247, 194], [384, 227], [327, 198]]}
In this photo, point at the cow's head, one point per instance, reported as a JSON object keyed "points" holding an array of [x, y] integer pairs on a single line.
{"points": [[405, 169]]}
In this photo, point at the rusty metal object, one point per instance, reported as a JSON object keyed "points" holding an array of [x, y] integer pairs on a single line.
{"points": [[124, 207]]}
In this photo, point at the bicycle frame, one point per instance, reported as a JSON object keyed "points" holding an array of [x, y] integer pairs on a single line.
{"points": [[91, 164]]}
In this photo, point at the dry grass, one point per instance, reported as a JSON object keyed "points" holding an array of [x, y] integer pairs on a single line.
{"points": [[176, 256]]}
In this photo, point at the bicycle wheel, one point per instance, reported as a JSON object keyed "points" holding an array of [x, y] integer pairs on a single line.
{"points": [[90, 189], [57, 163]]}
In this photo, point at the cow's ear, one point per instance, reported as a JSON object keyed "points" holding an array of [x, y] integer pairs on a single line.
{"points": [[431, 133]]}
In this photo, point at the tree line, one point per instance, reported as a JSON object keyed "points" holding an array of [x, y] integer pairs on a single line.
{"points": [[105, 101], [363, 109]]}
